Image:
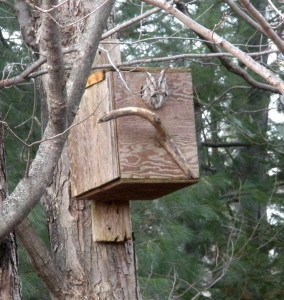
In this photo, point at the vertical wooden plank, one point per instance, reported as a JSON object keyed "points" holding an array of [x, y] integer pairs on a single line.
{"points": [[92, 147], [111, 221]]}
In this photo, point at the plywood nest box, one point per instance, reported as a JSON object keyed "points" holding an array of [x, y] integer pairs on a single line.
{"points": [[122, 159]]}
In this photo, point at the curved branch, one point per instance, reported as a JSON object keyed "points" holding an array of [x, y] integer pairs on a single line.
{"points": [[41, 260], [162, 135]]}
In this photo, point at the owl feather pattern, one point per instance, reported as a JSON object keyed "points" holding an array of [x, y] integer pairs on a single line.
{"points": [[154, 91]]}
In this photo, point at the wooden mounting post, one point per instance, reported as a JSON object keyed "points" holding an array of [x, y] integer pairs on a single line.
{"points": [[111, 220]]}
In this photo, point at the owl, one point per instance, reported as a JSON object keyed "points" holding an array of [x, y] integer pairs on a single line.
{"points": [[154, 90]]}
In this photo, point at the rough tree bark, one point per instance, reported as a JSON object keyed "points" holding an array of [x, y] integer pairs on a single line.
{"points": [[93, 270], [10, 287]]}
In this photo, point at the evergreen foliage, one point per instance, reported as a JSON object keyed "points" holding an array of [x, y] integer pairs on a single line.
{"points": [[215, 238]]}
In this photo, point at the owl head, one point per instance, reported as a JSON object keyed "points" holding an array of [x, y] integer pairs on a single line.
{"points": [[154, 90]]}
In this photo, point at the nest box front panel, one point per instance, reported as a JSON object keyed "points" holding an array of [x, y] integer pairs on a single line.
{"points": [[140, 154]]}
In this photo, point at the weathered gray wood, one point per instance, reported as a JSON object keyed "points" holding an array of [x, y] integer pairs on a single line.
{"points": [[93, 151]]}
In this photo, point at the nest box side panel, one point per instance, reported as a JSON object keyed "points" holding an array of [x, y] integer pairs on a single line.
{"points": [[141, 156], [93, 147]]}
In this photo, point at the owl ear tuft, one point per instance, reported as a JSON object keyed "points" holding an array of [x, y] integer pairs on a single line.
{"points": [[162, 82], [151, 82], [150, 77], [161, 77]]}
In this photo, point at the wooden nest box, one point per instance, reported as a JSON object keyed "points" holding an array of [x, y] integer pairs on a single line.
{"points": [[122, 159]]}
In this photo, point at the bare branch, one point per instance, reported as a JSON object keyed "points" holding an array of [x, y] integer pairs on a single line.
{"points": [[41, 260], [56, 96], [52, 8], [225, 145], [276, 9], [234, 68], [215, 38], [45, 139], [29, 72], [162, 135], [130, 22], [264, 24]]}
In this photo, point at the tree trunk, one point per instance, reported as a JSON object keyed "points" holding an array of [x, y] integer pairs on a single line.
{"points": [[10, 287], [91, 270]]}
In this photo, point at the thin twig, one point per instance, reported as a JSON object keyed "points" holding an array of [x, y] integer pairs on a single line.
{"points": [[130, 22]]}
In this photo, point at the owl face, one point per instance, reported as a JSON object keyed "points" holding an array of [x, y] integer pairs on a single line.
{"points": [[154, 90]]}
